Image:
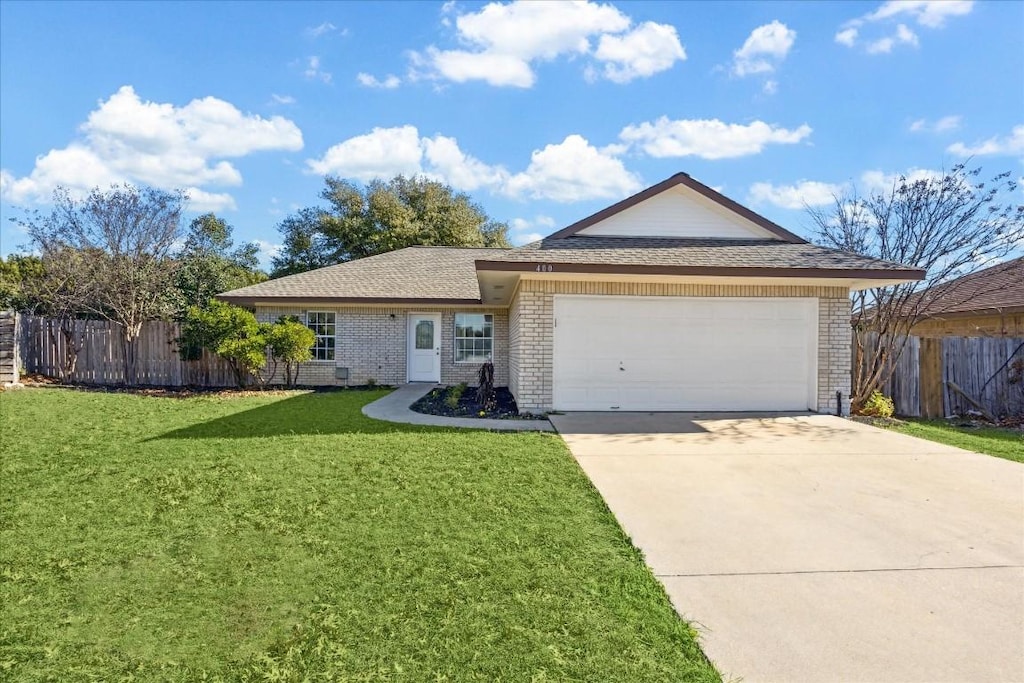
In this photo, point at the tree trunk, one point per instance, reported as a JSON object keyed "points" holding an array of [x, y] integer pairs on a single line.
{"points": [[129, 338]]}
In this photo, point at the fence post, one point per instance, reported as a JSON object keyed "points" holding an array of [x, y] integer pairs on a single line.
{"points": [[931, 378]]}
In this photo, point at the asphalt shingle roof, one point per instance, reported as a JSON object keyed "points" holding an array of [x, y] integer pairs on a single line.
{"points": [[441, 273], [449, 274], [999, 287], [689, 252]]}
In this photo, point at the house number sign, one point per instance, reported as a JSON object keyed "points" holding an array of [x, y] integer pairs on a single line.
{"points": [[545, 267]]}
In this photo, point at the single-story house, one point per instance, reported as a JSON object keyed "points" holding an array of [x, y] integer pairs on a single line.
{"points": [[676, 298], [987, 303]]}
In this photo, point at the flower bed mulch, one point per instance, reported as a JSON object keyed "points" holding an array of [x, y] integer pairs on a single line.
{"points": [[504, 408]]}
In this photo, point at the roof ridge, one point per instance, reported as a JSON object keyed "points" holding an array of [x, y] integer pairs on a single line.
{"points": [[441, 246]]}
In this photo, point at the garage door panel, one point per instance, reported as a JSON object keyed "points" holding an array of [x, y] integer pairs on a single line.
{"points": [[684, 353]]}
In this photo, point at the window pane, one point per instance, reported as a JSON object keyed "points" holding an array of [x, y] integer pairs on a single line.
{"points": [[322, 325], [474, 337], [425, 334]]}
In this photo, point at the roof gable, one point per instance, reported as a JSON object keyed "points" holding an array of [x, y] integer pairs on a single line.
{"points": [[679, 207]]}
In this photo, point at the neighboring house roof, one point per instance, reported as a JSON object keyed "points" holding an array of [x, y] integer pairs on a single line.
{"points": [[663, 255], [411, 275], [999, 288]]}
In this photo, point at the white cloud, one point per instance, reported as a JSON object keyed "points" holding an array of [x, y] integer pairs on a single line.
{"points": [[268, 251], [127, 139], [445, 160], [708, 138], [644, 51], [317, 31], [770, 87], [502, 42], [314, 72], [942, 125], [797, 196], [573, 170], [282, 99], [847, 36], [880, 181], [1009, 145], [903, 35], [202, 201], [930, 14], [381, 153], [526, 230], [764, 49], [387, 152], [461, 66], [390, 81]]}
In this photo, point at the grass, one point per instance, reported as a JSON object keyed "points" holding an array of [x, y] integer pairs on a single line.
{"points": [[1002, 443], [289, 538]]}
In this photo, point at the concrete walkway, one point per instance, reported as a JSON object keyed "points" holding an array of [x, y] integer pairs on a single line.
{"points": [[395, 408], [811, 548]]}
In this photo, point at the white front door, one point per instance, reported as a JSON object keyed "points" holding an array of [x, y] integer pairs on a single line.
{"points": [[424, 347]]}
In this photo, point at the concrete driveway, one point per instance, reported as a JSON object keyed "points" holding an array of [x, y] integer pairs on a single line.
{"points": [[811, 548]]}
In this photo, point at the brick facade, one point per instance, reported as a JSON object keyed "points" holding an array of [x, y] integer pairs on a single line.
{"points": [[372, 343], [532, 310]]}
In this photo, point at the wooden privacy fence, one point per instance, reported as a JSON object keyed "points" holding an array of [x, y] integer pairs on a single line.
{"points": [[101, 359], [928, 374]]}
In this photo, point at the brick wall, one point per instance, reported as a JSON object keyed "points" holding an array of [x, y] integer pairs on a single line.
{"points": [[513, 344], [371, 343], [835, 337], [532, 309]]}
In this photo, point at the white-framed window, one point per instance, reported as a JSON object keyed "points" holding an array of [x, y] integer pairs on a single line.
{"points": [[322, 324], [474, 337]]}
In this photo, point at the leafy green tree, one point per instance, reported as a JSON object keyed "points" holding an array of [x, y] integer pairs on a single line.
{"points": [[381, 217], [228, 331], [289, 342], [305, 246], [210, 263], [19, 277]]}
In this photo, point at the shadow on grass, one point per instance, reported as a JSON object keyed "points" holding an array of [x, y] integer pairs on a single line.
{"points": [[334, 412]]}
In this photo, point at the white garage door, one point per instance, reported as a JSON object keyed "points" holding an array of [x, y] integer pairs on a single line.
{"points": [[685, 353]]}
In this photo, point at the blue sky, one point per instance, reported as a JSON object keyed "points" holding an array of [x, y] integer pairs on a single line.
{"points": [[542, 112]]}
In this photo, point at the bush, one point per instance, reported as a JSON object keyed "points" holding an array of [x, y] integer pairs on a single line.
{"points": [[454, 395], [878, 405], [289, 341]]}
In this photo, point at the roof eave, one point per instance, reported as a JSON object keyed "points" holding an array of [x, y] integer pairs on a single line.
{"points": [[908, 275], [336, 300]]}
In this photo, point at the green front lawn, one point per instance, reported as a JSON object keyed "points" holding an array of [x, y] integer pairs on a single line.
{"points": [[289, 538], [1002, 443]]}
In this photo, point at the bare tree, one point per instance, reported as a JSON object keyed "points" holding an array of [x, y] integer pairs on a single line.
{"points": [[62, 293], [123, 238], [949, 225]]}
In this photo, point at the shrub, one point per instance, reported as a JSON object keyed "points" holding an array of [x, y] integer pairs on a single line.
{"points": [[228, 331], [878, 405], [289, 341], [454, 395]]}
